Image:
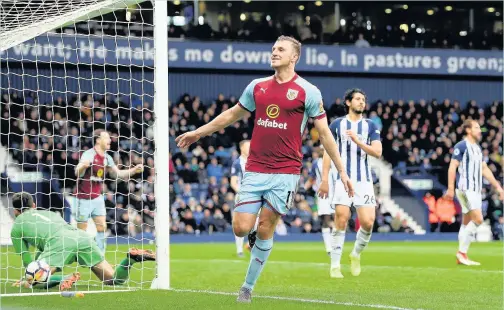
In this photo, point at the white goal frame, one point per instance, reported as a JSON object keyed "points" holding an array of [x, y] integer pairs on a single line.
{"points": [[161, 118]]}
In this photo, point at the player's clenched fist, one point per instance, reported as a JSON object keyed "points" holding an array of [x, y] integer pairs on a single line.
{"points": [[352, 136], [85, 163], [187, 139]]}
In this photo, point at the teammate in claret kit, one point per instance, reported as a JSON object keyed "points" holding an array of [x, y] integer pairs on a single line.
{"points": [[91, 172]]}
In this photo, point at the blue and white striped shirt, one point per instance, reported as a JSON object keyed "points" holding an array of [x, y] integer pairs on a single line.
{"points": [[238, 168], [469, 172], [354, 159]]}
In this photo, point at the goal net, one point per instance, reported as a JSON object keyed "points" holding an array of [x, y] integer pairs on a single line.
{"points": [[69, 70]]}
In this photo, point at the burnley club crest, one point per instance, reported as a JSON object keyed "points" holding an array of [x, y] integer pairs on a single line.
{"points": [[292, 94]]}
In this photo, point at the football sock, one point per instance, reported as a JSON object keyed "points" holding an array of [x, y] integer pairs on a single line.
{"points": [[326, 235], [121, 273], [466, 236], [239, 244], [361, 242], [259, 255], [338, 240], [461, 236], [53, 281], [100, 240]]}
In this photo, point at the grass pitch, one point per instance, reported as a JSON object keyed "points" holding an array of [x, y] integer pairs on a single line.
{"points": [[395, 275]]}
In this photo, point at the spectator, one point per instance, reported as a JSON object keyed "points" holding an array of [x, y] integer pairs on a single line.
{"points": [[430, 201], [446, 212], [361, 42]]}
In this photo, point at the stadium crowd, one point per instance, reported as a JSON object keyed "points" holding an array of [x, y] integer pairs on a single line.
{"points": [[387, 36], [50, 137], [358, 29]]}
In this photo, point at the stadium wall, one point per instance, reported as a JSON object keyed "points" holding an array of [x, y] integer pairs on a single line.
{"points": [[55, 81]]}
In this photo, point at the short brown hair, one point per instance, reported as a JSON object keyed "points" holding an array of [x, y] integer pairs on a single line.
{"points": [[295, 43], [467, 124], [22, 201]]}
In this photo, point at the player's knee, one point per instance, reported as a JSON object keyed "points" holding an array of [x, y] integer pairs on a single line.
{"points": [[240, 228], [102, 227], [367, 224], [341, 223]]}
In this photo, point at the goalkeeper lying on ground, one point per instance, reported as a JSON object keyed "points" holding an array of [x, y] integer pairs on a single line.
{"points": [[60, 244]]}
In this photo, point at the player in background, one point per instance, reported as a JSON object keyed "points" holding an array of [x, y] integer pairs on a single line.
{"points": [[283, 103], [325, 211], [357, 138], [59, 244], [237, 171], [467, 160], [90, 174]]}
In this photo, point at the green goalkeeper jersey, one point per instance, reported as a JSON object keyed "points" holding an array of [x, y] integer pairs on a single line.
{"points": [[43, 229]]}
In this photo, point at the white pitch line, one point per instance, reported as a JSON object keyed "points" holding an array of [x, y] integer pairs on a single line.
{"points": [[314, 264], [312, 301]]}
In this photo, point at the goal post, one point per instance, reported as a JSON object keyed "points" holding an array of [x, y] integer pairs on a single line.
{"points": [[161, 109], [68, 69]]}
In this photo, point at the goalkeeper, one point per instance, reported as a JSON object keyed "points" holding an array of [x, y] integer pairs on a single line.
{"points": [[60, 244]]}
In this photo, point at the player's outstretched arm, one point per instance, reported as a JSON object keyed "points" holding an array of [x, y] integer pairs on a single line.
{"points": [[223, 120], [126, 173], [487, 174]]}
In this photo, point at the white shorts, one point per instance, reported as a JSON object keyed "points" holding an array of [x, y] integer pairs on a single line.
{"points": [[363, 195], [324, 206], [469, 200]]}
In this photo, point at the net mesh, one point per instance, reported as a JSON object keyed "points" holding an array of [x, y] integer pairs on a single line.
{"points": [[77, 67]]}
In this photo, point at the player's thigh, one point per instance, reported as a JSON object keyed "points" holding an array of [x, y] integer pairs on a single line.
{"points": [[341, 215], [249, 198], [88, 253], [243, 223], [280, 197], [475, 205], [365, 203], [469, 202], [100, 222], [103, 270], [364, 196], [98, 212], [57, 255], [83, 210], [340, 196]]}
